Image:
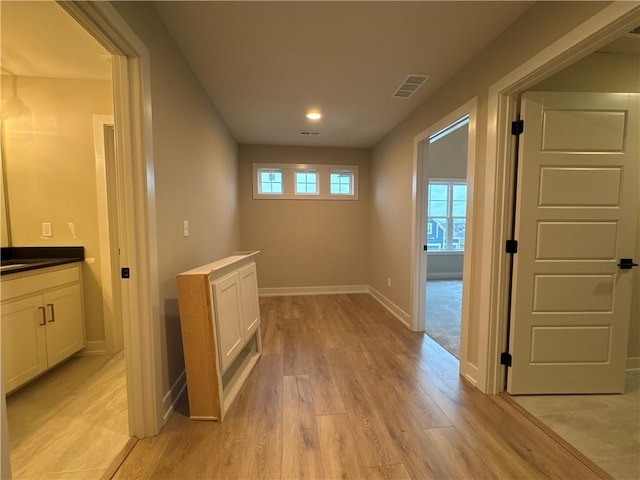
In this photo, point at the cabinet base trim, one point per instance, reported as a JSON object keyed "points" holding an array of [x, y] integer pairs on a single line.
{"points": [[233, 389], [326, 290]]}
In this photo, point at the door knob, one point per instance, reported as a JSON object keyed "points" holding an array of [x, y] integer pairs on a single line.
{"points": [[627, 264]]}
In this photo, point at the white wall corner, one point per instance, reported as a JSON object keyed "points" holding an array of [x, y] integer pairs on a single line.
{"points": [[633, 364], [174, 394], [396, 311]]}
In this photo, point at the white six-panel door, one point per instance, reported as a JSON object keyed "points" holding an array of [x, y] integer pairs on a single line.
{"points": [[577, 201]]}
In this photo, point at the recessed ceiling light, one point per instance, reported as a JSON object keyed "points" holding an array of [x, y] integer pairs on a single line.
{"points": [[314, 115]]}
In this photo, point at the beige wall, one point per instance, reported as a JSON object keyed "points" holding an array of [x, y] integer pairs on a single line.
{"points": [[306, 243], [196, 173], [598, 72], [392, 157], [606, 72], [447, 156], [51, 174]]}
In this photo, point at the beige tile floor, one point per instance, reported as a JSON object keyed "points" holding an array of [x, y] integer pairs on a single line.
{"points": [[70, 423], [606, 428]]}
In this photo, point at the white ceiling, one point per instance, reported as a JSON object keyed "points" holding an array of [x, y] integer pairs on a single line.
{"points": [[264, 64]]}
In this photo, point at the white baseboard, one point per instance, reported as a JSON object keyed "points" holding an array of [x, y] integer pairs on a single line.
{"points": [[173, 395], [633, 364], [470, 373], [327, 290], [97, 347], [444, 276], [396, 311]]}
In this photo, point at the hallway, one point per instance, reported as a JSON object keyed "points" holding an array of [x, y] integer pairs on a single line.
{"points": [[344, 391]]}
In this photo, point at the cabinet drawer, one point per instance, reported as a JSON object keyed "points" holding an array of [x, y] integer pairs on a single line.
{"points": [[33, 282]]}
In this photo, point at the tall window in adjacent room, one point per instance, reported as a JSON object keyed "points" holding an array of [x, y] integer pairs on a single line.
{"points": [[446, 215]]}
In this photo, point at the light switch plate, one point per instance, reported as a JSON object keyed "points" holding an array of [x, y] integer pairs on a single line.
{"points": [[46, 229], [185, 228]]}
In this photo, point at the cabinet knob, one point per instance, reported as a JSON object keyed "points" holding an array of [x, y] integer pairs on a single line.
{"points": [[44, 317]]}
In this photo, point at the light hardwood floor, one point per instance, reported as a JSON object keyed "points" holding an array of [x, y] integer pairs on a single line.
{"points": [[70, 423], [343, 390]]}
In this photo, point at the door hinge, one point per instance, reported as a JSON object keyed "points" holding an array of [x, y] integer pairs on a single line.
{"points": [[505, 359], [511, 246], [125, 273], [517, 127]]}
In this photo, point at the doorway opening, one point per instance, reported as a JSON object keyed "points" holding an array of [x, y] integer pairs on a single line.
{"points": [[136, 218], [585, 418], [446, 178], [504, 99], [444, 172], [56, 172]]}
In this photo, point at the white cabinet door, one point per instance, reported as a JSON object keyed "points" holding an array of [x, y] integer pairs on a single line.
{"points": [[24, 350], [250, 305], [228, 318], [64, 323]]}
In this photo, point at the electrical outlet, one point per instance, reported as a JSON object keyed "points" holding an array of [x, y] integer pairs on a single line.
{"points": [[185, 228], [389, 282], [47, 230]]}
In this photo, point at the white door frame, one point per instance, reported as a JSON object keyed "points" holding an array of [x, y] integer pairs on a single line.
{"points": [[418, 227], [493, 277], [136, 208]]}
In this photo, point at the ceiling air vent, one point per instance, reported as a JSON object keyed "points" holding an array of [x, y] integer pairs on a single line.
{"points": [[410, 85], [308, 133]]}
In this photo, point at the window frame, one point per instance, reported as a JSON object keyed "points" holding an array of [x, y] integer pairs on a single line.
{"points": [[258, 173], [449, 217], [306, 171], [289, 184], [351, 174]]}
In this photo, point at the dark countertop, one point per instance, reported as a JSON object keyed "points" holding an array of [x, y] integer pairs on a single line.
{"points": [[23, 259]]}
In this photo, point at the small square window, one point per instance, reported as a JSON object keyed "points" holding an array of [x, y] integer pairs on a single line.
{"points": [[307, 182], [341, 183], [270, 182]]}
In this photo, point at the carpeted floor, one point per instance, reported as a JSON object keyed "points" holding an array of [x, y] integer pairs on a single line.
{"points": [[442, 323]]}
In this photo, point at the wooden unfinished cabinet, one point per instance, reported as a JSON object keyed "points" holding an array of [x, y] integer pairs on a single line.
{"points": [[220, 320]]}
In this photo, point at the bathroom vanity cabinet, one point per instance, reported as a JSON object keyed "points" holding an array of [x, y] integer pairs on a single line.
{"points": [[42, 321]]}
